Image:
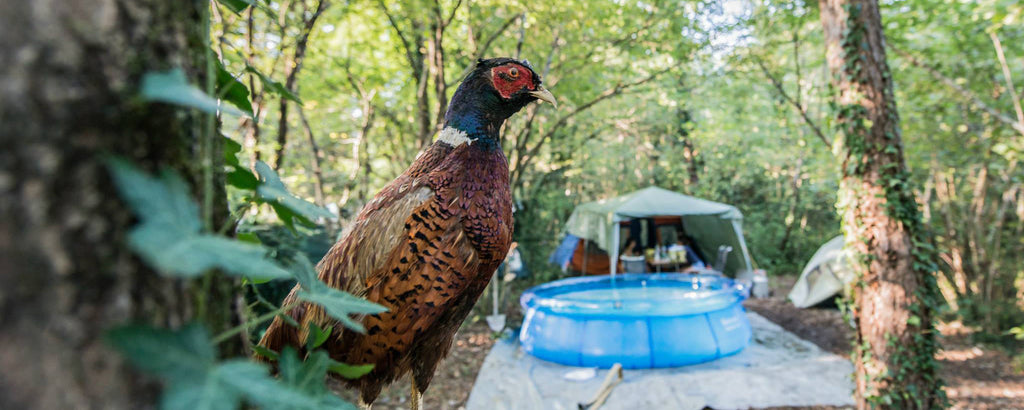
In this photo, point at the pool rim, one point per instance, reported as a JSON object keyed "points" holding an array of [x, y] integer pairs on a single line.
{"points": [[532, 297]]}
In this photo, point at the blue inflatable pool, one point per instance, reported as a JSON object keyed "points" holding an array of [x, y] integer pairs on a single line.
{"points": [[639, 320]]}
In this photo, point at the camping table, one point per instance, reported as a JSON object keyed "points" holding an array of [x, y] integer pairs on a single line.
{"points": [[658, 264]]}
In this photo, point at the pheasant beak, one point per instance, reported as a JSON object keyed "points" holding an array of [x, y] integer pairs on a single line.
{"points": [[543, 94]]}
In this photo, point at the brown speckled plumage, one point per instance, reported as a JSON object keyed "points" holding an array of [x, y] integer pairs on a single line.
{"points": [[424, 247]]}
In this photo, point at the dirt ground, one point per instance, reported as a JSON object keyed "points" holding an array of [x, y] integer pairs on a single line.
{"points": [[454, 377], [977, 377]]}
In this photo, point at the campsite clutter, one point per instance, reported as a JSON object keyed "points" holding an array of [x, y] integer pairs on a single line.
{"points": [[661, 222]]}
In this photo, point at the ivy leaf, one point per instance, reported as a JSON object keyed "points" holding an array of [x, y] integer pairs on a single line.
{"points": [[173, 354], [231, 90], [340, 305], [248, 237], [169, 235], [336, 303], [242, 178], [237, 6], [158, 200], [267, 353], [173, 88], [272, 86], [350, 371], [239, 177], [307, 377], [231, 150], [254, 383], [273, 191], [317, 336], [207, 393], [190, 256], [303, 376]]}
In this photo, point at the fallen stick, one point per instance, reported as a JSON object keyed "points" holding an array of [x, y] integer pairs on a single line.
{"points": [[613, 378]]}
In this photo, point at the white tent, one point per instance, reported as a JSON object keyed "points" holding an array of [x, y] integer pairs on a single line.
{"points": [[825, 275], [710, 223]]}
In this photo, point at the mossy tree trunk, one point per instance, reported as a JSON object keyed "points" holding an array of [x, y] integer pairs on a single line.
{"points": [[69, 76], [895, 293]]}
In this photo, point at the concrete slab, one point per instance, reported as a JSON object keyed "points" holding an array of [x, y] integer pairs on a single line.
{"points": [[777, 369]]}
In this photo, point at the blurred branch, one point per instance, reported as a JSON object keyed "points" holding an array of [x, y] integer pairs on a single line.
{"points": [[317, 157], [451, 16], [1007, 78], [1001, 117], [618, 89], [292, 76], [486, 46], [522, 35], [799, 107], [401, 34]]}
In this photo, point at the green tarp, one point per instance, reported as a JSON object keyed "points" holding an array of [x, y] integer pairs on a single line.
{"points": [[710, 223]]}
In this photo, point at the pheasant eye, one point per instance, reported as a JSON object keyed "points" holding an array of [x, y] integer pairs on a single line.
{"points": [[513, 72]]}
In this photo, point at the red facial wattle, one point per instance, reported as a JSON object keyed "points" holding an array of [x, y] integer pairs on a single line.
{"points": [[510, 78]]}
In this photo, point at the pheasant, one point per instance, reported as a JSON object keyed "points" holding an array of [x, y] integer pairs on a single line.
{"points": [[427, 244]]}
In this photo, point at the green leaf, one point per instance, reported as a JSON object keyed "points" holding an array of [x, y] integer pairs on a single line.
{"points": [[159, 200], [340, 305], [274, 87], [169, 238], [304, 376], [191, 256], [200, 393], [237, 6], [173, 354], [273, 191], [173, 88], [248, 237], [231, 150], [317, 336], [350, 371], [231, 90], [308, 377], [289, 217], [242, 178], [336, 303], [239, 177], [254, 383], [267, 353]]}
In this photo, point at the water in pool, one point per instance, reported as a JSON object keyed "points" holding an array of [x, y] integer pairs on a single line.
{"points": [[639, 297]]}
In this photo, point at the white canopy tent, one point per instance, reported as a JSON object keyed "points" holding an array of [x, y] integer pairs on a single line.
{"points": [[711, 223]]}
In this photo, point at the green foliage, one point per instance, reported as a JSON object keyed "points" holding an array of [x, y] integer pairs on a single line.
{"points": [[232, 90], [237, 6], [172, 87], [288, 207], [336, 303], [186, 360], [169, 234], [273, 86]]}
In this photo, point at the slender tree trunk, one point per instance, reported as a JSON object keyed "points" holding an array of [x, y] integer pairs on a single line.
{"points": [[895, 293], [292, 69], [315, 160], [69, 76], [251, 126], [693, 162], [795, 183]]}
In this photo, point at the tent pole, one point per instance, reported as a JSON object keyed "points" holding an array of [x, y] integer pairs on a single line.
{"points": [[614, 251], [743, 245], [584, 256]]}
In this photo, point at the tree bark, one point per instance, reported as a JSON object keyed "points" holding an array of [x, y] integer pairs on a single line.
{"points": [[69, 75], [895, 292]]}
